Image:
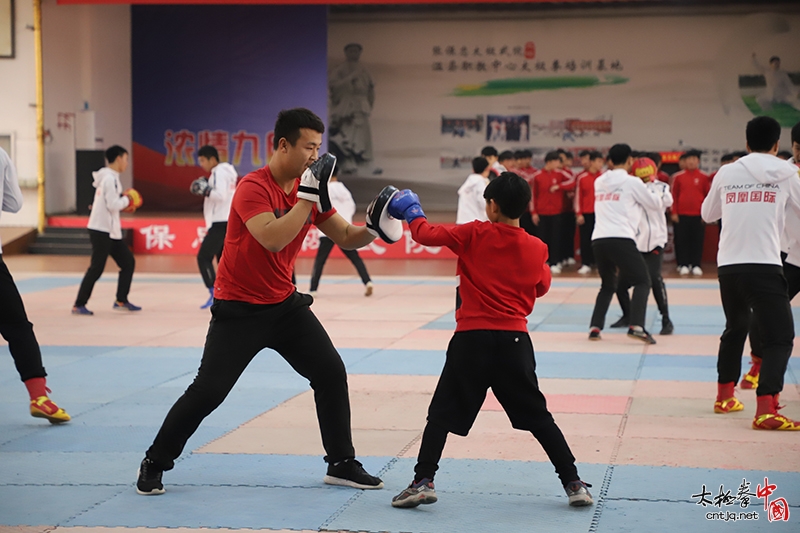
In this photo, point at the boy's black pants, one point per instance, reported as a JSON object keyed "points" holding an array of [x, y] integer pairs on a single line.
{"points": [[504, 361], [325, 247], [762, 290], [103, 246], [689, 237], [654, 260], [211, 247], [550, 233], [587, 253], [238, 331], [17, 330], [617, 253]]}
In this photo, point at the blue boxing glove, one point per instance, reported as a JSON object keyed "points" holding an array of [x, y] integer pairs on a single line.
{"points": [[405, 206]]}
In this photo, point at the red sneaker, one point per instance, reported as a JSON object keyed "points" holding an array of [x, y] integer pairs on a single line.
{"points": [[750, 380], [43, 407], [726, 401], [767, 416]]}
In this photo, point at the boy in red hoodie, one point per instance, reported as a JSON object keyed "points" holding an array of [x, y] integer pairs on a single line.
{"points": [[491, 346]]}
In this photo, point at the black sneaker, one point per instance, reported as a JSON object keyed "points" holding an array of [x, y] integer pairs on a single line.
{"points": [[621, 323], [351, 473], [149, 482], [594, 334], [666, 327], [641, 334], [578, 493], [420, 492]]}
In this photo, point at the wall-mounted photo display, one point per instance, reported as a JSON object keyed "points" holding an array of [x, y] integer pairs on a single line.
{"points": [[6, 28]]}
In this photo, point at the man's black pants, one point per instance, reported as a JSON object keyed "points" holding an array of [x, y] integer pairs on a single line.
{"points": [[325, 247], [689, 237], [212, 247], [654, 261], [762, 290], [567, 238], [550, 233], [103, 246], [238, 331], [617, 253], [17, 330], [587, 253]]}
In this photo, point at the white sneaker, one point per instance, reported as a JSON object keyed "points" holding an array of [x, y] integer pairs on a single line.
{"points": [[312, 293], [368, 288], [585, 269], [697, 271], [570, 261], [683, 271], [555, 269]]}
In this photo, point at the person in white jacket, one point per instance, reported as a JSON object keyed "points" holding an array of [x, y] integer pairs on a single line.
{"points": [[651, 240], [471, 204], [618, 202], [752, 196], [15, 327], [105, 233], [343, 202], [218, 193]]}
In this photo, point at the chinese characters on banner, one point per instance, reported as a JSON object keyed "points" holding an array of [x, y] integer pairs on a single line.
{"points": [[181, 146], [512, 58], [777, 509]]}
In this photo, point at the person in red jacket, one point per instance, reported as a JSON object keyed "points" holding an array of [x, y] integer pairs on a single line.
{"points": [[568, 227], [584, 208], [548, 201], [689, 188], [526, 171], [491, 346]]}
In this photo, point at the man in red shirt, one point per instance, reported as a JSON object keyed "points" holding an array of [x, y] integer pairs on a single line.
{"points": [[568, 227], [584, 208], [256, 306], [689, 188], [491, 346], [548, 201]]}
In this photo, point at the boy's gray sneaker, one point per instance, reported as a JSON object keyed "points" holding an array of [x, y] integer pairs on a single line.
{"points": [[578, 493], [421, 492]]}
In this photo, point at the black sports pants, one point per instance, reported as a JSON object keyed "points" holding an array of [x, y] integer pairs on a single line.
{"points": [[325, 247], [617, 253], [550, 233], [568, 235], [762, 290], [587, 253], [238, 331], [17, 330], [792, 275], [504, 361], [103, 246], [211, 247], [653, 260], [689, 237]]}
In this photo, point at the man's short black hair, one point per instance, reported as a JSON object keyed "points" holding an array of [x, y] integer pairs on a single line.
{"points": [[555, 155], [637, 154], [566, 153], [682, 157], [489, 151], [784, 154], [773, 59], [693, 153], [762, 133], [291, 121], [506, 155], [655, 156], [208, 152], [726, 158], [594, 154], [584, 153], [519, 154], [796, 133], [739, 154], [619, 154], [511, 193], [479, 164], [114, 152]]}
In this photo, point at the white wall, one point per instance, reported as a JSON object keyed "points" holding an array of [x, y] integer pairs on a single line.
{"points": [[87, 61]]}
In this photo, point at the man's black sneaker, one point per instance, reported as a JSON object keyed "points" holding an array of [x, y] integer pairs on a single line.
{"points": [[666, 327], [351, 473], [149, 482], [594, 334], [641, 334], [621, 323]]}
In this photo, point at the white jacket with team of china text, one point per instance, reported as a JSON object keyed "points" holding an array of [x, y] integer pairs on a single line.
{"points": [[217, 205], [471, 204], [751, 196], [10, 193], [653, 224], [108, 202], [619, 199]]}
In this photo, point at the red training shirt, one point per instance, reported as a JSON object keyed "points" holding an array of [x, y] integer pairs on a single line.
{"points": [[248, 272], [584, 192], [501, 271], [689, 189], [545, 202]]}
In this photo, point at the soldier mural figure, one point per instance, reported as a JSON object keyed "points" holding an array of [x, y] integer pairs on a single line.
{"points": [[352, 95]]}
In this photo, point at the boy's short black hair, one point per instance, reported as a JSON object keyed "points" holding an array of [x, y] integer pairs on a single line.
{"points": [[655, 156], [489, 151], [479, 164], [566, 153], [505, 155], [693, 153], [784, 154], [762, 133], [773, 59], [619, 154], [584, 153], [511, 193], [114, 152], [554, 155], [208, 152], [519, 154], [595, 154], [291, 121], [727, 158], [796, 133], [739, 154], [637, 154], [682, 157]]}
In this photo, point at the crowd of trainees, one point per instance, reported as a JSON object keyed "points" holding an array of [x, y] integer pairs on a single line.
{"points": [[563, 199]]}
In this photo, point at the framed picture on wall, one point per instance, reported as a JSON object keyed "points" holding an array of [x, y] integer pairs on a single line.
{"points": [[6, 29]]}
